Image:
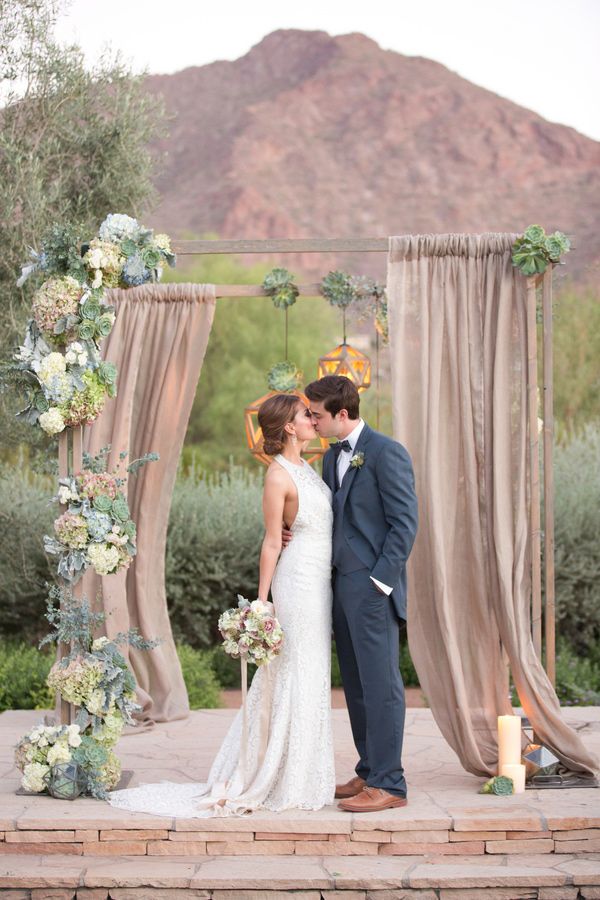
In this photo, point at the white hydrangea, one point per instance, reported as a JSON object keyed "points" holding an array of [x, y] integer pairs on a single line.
{"points": [[73, 735], [162, 241], [117, 227], [100, 643], [59, 752], [65, 494], [103, 557], [33, 777], [95, 702], [257, 606], [51, 365], [52, 421], [60, 388], [76, 354]]}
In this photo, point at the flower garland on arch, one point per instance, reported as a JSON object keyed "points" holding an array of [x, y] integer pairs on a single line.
{"points": [[96, 530], [58, 366]]}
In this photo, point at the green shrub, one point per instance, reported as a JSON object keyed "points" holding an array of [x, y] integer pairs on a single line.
{"points": [[214, 537], [204, 691], [577, 677], [25, 516], [227, 670], [23, 672], [577, 516], [24, 669]]}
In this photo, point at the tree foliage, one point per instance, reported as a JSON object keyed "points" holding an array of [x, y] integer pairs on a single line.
{"points": [[74, 146]]}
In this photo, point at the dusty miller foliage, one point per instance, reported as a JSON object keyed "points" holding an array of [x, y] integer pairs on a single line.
{"points": [[99, 462], [74, 146], [72, 621]]}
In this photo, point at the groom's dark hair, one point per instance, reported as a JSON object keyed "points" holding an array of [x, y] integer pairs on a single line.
{"points": [[336, 392]]}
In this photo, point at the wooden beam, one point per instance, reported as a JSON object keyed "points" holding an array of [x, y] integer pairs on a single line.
{"points": [[534, 469], [285, 245], [256, 290], [549, 590]]}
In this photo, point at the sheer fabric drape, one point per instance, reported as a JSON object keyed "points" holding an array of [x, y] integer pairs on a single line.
{"points": [[458, 338], [158, 344]]}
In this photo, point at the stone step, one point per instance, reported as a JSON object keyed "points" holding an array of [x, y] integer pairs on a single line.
{"points": [[534, 877]]}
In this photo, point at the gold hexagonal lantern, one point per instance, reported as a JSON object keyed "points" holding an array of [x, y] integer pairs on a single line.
{"points": [[348, 361], [254, 437]]}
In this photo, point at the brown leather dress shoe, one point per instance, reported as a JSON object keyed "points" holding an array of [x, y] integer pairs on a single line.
{"points": [[352, 787], [372, 799]]}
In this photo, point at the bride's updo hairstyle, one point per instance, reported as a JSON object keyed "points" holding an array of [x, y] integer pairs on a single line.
{"points": [[273, 416]]}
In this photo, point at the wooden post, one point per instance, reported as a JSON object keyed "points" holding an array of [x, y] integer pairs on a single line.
{"points": [[63, 709], [549, 595], [70, 443], [534, 468]]}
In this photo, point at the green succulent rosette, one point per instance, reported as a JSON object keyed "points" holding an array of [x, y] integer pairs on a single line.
{"points": [[40, 402], [91, 309], [107, 375], [284, 377], [500, 785], [339, 289], [534, 250], [120, 509], [104, 325], [279, 285], [102, 503], [86, 330]]}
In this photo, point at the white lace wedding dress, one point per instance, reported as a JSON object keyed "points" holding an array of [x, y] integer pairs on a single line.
{"points": [[289, 758]]}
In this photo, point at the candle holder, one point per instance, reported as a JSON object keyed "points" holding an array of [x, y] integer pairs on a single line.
{"points": [[542, 768], [65, 781]]}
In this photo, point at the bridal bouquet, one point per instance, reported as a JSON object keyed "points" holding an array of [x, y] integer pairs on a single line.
{"points": [[250, 631]]}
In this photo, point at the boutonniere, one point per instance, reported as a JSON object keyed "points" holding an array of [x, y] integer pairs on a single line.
{"points": [[357, 460]]}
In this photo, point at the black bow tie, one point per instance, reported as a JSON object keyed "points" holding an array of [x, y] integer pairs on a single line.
{"points": [[341, 445]]}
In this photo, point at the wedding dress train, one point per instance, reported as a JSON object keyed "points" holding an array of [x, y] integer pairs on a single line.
{"points": [[289, 758]]}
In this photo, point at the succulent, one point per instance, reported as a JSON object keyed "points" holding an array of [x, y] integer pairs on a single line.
{"points": [[339, 289], [500, 785], [279, 285], [120, 508], [534, 250], [90, 309], [284, 377]]}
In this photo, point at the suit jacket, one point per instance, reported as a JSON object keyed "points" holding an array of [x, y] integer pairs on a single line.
{"points": [[375, 512]]}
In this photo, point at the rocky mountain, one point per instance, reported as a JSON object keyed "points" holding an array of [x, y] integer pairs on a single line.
{"points": [[311, 135]]}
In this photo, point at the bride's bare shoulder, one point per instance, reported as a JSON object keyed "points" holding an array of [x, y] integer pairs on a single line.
{"points": [[276, 477]]}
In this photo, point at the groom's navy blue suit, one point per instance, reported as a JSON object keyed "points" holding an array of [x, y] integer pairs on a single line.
{"points": [[374, 527]]}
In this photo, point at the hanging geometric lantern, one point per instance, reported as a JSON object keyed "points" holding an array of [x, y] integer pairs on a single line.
{"points": [[341, 290], [348, 361], [283, 378]]}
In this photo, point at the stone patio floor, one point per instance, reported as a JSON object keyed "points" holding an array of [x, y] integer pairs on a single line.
{"points": [[537, 838]]}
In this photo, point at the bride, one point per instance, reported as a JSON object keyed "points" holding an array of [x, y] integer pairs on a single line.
{"points": [[288, 761]]}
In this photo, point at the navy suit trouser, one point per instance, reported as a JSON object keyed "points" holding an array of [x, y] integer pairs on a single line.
{"points": [[367, 635]]}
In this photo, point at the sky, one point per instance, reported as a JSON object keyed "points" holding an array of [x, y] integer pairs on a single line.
{"points": [[542, 55]]}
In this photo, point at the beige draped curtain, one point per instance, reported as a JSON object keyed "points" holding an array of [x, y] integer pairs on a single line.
{"points": [[158, 344], [458, 338]]}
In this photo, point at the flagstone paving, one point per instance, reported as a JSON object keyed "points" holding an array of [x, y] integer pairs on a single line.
{"points": [[448, 842]]}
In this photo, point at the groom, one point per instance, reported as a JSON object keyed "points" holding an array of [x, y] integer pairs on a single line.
{"points": [[374, 526]]}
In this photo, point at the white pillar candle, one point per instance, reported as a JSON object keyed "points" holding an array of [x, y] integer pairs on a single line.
{"points": [[509, 741], [517, 773]]}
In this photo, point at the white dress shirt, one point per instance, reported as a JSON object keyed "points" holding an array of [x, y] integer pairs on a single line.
{"points": [[343, 464]]}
